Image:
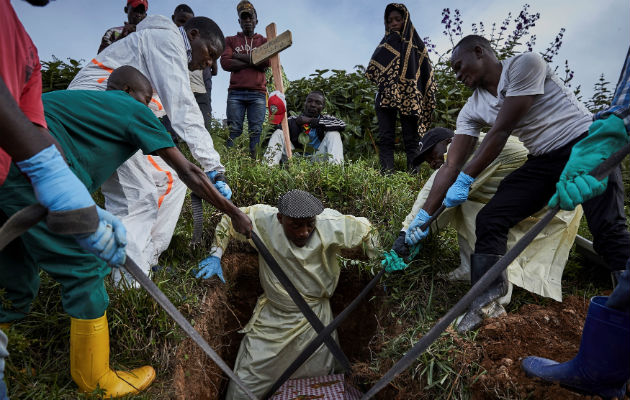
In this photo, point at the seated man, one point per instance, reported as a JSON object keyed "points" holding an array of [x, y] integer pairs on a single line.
{"points": [[539, 267], [305, 239], [97, 132], [310, 131]]}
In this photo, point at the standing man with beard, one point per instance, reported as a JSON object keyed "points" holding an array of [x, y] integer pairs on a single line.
{"points": [[248, 90]]}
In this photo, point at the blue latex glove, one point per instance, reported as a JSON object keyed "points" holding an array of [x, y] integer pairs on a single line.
{"points": [[109, 240], [210, 267], [56, 187], [576, 185], [220, 185], [414, 233], [458, 192]]}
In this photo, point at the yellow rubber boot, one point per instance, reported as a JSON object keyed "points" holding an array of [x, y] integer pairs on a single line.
{"points": [[89, 361]]}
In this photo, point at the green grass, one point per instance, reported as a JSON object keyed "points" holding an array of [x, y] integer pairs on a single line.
{"points": [[141, 333]]}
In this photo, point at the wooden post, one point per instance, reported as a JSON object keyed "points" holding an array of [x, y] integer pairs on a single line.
{"points": [[277, 80]]}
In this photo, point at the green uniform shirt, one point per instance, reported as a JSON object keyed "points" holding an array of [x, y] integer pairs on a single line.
{"points": [[99, 131]]}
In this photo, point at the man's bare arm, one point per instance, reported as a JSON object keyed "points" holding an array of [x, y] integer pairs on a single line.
{"points": [[199, 183], [511, 112], [242, 61], [19, 137], [238, 64], [458, 152]]}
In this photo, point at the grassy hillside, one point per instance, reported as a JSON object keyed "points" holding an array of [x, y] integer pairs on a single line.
{"points": [[409, 302]]}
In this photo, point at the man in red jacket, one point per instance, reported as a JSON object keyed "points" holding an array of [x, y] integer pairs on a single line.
{"points": [[247, 91]]}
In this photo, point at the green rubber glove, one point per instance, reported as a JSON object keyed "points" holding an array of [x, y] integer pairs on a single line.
{"points": [[393, 262], [605, 136]]}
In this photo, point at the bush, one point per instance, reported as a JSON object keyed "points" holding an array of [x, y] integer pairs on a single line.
{"points": [[57, 74]]}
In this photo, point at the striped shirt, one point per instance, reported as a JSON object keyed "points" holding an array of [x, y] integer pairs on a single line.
{"points": [[186, 43], [620, 105]]}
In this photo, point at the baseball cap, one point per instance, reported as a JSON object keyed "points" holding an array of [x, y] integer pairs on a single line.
{"points": [[277, 106], [430, 139], [245, 7], [136, 3]]}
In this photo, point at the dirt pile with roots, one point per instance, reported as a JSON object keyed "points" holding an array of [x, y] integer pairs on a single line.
{"points": [[553, 331]]}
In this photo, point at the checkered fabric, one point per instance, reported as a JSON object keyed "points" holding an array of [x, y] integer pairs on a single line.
{"points": [[330, 387], [299, 204]]}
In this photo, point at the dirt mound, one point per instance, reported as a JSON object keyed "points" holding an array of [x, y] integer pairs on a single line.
{"points": [[552, 331], [227, 308]]}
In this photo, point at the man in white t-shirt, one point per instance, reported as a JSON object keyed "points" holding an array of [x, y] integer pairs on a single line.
{"points": [[519, 96]]}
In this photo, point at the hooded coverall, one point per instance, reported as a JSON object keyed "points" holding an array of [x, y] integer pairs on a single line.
{"points": [[278, 331], [145, 192], [98, 131]]}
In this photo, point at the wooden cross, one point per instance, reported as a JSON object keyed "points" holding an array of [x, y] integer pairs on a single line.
{"points": [[270, 51]]}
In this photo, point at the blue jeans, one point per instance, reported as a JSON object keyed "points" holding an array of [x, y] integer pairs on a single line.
{"points": [[239, 102]]}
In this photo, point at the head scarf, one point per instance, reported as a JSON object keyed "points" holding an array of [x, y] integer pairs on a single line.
{"points": [[401, 69]]}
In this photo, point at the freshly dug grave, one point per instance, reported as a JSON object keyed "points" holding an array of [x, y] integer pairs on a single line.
{"points": [[227, 308], [552, 331]]}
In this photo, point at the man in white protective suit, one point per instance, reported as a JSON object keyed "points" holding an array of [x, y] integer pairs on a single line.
{"points": [[539, 267], [305, 239], [146, 193]]}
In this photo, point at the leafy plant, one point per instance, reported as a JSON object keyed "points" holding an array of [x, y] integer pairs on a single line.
{"points": [[57, 74]]}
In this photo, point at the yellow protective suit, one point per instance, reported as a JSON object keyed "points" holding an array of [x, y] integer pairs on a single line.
{"points": [[277, 331], [539, 267]]}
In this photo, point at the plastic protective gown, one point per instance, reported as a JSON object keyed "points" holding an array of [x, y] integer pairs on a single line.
{"points": [[145, 192], [278, 331], [539, 267]]}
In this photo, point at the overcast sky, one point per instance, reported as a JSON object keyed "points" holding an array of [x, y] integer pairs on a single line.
{"points": [[340, 34]]}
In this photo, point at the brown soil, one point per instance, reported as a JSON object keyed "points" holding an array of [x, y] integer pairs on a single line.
{"points": [[553, 331], [227, 308]]}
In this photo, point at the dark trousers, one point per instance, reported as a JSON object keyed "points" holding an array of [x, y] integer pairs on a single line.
{"points": [[528, 189], [620, 297], [387, 134], [203, 100]]}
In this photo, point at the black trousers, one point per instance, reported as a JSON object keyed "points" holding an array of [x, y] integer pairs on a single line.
{"points": [[528, 189], [203, 100], [387, 134]]}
